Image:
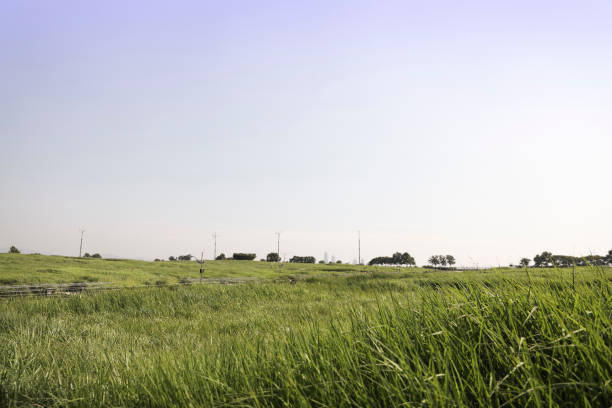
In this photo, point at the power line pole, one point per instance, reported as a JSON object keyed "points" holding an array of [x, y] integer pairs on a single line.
{"points": [[280, 260], [215, 253], [81, 246]]}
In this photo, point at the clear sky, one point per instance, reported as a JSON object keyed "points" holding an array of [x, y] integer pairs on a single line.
{"points": [[481, 129]]}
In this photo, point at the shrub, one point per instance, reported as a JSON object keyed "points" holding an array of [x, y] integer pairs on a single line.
{"points": [[86, 255], [273, 257], [96, 255], [243, 256], [14, 250], [220, 257], [303, 259], [397, 259]]}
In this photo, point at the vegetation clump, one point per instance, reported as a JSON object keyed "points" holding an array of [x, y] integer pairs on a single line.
{"points": [[302, 259], [442, 260], [547, 260], [397, 258], [243, 256], [273, 257]]}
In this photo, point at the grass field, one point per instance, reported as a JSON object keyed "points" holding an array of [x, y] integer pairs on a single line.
{"points": [[413, 338], [17, 269]]}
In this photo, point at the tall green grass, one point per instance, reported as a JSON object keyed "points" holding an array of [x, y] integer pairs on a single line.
{"points": [[411, 339]]}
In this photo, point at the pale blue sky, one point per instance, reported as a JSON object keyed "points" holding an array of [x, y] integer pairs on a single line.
{"points": [[480, 129]]}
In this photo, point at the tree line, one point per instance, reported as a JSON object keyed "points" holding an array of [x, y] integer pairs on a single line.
{"points": [[547, 259], [442, 260]]}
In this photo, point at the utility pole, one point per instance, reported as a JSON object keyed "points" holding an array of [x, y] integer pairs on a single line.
{"points": [[81, 246], [359, 247], [280, 260], [278, 243], [215, 253]]}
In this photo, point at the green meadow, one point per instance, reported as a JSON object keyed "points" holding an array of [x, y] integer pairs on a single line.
{"points": [[21, 269], [379, 338]]}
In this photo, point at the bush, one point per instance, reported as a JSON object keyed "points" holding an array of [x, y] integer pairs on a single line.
{"points": [[171, 258], [96, 255], [220, 257], [86, 255], [397, 259], [303, 259], [273, 257], [243, 257]]}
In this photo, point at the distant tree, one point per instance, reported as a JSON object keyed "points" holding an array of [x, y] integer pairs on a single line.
{"points": [[450, 260], [171, 258], [609, 257], [243, 257], [273, 257], [381, 260], [597, 260], [220, 257], [156, 260], [96, 255], [434, 260], [407, 259], [86, 255], [537, 261], [185, 257], [322, 261], [442, 260], [547, 258], [14, 250], [338, 261], [525, 262], [563, 261]]}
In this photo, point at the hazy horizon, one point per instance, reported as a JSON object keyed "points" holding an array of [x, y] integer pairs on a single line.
{"points": [[478, 130]]}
